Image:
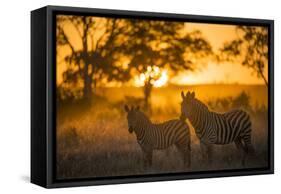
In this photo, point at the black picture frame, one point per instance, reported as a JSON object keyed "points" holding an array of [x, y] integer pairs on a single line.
{"points": [[43, 96]]}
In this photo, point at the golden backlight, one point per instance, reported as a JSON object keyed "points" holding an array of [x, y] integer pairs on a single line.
{"points": [[104, 64], [153, 72], [210, 72]]}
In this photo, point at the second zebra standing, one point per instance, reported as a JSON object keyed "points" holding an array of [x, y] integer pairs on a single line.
{"points": [[218, 128], [152, 136]]}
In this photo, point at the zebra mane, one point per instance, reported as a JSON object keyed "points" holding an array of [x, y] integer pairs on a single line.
{"points": [[201, 104], [142, 116]]}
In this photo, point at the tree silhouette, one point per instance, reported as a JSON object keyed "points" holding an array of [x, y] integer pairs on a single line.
{"points": [[250, 49], [103, 45], [95, 59], [162, 44]]}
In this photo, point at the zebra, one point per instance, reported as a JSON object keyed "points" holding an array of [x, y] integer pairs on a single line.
{"points": [[217, 128], [152, 136]]}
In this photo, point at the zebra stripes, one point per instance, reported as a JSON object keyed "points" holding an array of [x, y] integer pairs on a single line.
{"points": [[152, 136], [215, 128]]}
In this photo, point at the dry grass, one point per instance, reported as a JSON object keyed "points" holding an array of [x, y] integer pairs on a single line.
{"points": [[94, 141]]}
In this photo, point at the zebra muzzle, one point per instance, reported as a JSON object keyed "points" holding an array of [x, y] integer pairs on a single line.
{"points": [[131, 130]]}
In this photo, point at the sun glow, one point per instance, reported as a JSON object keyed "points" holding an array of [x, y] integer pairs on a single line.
{"points": [[154, 75], [162, 80]]}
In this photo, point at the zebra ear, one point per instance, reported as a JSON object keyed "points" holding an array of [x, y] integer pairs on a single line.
{"points": [[182, 95], [193, 95], [126, 108]]}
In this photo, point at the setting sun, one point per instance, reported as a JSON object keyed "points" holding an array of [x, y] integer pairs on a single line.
{"points": [[155, 75], [162, 80]]}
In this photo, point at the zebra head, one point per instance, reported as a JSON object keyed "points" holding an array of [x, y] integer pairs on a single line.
{"points": [[186, 104], [131, 117]]}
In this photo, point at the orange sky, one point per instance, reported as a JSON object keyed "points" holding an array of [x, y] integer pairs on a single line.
{"points": [[216, 34]]}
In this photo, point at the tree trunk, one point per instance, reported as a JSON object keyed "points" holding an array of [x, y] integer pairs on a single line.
{"points": [[87, 89], [263, 77], [147, 93]]}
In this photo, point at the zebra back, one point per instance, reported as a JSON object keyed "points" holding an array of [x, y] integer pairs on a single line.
{"points": [[212, 127], [160, 135]]}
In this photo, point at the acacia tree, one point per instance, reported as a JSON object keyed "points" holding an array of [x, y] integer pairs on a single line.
{"points": [[95, 59], [250, 49], [144, 43], [164, 45]]}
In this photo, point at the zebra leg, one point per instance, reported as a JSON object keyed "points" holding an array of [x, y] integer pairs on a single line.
{"points": [[144, 160], [210, 152], [248, 144], [204, 151], [207, 152], [239, 145], [186, 154], [147, 159]]}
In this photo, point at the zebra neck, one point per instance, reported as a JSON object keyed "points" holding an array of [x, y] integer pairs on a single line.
{"points": [[199, 120], [142, 126]]}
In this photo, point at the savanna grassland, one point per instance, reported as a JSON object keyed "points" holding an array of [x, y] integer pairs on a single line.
{"points": [[93, 140]]}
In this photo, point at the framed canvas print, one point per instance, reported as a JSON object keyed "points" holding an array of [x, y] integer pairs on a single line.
{"points": [[125, 96]]}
